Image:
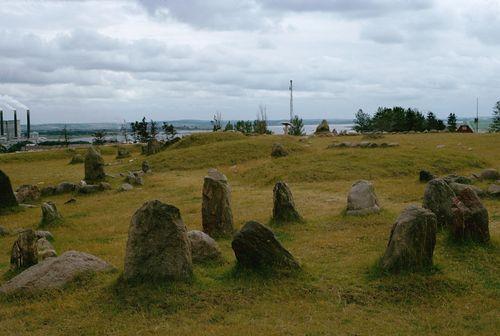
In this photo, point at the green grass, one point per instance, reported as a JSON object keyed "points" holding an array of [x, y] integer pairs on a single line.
{"points": [[339, 291]]}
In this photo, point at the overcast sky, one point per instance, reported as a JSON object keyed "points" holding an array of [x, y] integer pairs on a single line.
{"points": [[86, 61]]}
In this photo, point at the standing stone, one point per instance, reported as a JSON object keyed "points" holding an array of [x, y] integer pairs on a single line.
{"points": [[134, 178], [50, 215], [278, 150], [438, 197], [470, 218], [362, 199], [7, 197], [94, 166], [284, 206], [256, 247], [494, 190], [412, 240], [77, 158], [24, 252], [146, 167], [158, 248], [425, 176], [217, 217], [323, 127], [204, 248], [28, 193], [45, 249], [65, 187]]}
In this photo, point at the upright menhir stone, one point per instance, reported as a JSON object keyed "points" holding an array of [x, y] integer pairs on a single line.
{"points": [[94, 166], [50, 214], [283, 205], [158, 248], [362, 199], [24, 251], [217, 217], [412, 240], [470, 218], [438, 198], [256, 247], [7, 197]]}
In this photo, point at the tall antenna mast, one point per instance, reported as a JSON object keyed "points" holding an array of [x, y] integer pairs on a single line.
{"points": [[291, 100], [477, 114]]}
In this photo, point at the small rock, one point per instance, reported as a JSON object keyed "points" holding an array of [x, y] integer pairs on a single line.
{"points": [[494, 190], [48, 191], [393, 144], [77, 158], [459, 187], [134, 179], [411, 242], [4, 231], [146, 167], [45, 249], [28, 193], [105, 186], [425, 176], [362, 199], [204, 248], [457, 179], [70, 201], [440, 146], [122, 153], [55, 272], [66, 187], [50, 215], [278, 150], [44, 234], [489, 174], [256, 247], [24, 253], [125, 187]]}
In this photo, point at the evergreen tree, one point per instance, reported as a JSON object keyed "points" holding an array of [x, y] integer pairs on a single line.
{"points": [[229, 127], [140, 130], [99, 138], [362, 122], [452, 122], [297, 127], [495, 125], [153, 130], [170, 131]]}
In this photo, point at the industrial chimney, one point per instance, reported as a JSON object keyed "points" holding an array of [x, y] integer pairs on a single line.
{"points": [[1, 123], [15, 124], [28, 122]]}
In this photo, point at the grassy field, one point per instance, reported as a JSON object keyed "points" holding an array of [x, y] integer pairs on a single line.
{"points": [[336, 294]]}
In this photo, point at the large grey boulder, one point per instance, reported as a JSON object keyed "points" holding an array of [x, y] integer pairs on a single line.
{"points": [[158, 248], [146, 167], [55, 272], [204, 248], [134, 178], [45, 249], [489, 174], [126, 187], [48, 191], [44, 234], [470, 218], [28, 193], [411, 242], [278, 150], [7, 197], [24, 252], [438, 197], [256, 247], [453, 178], [217, 216], [94, 166], [362, 199], [283, 204], [50, 214]]}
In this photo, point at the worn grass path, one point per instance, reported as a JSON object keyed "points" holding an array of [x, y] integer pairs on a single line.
{"points": [[337, 294]]}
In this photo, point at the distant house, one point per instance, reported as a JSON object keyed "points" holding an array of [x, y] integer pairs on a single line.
{"points": [[464, 128]]}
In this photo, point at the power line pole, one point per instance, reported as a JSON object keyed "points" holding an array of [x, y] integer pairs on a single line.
{"points": [[291, 100]]}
